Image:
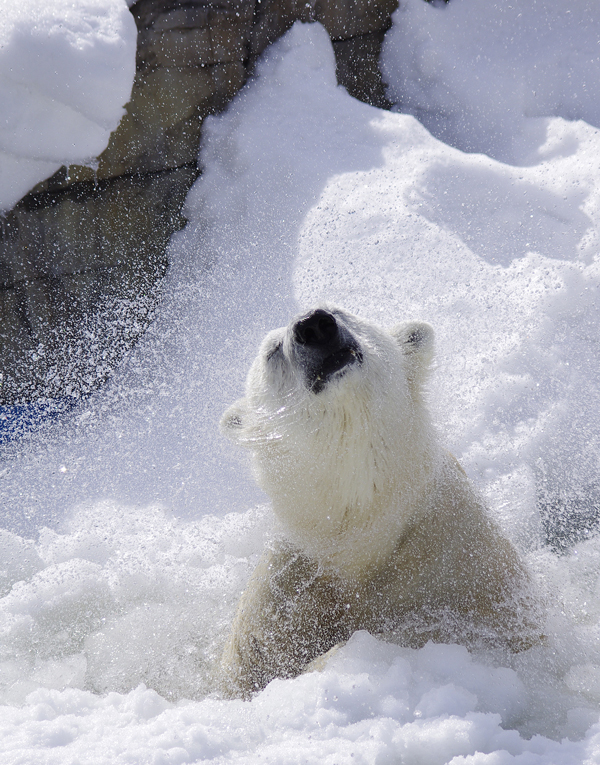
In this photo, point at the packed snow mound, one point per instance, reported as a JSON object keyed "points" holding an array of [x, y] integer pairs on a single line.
{"points": [[477, 73], [66, 71], [376, 703], [111, 635], [122, 596], [502, 262]]}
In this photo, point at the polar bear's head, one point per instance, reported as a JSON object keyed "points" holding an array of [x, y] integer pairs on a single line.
{"points": [[335, 419]]}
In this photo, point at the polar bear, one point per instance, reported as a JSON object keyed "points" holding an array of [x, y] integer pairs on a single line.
{"points": [[380, 527]]}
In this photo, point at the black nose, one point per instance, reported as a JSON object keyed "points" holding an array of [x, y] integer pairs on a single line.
{"points": [[318, 328]]}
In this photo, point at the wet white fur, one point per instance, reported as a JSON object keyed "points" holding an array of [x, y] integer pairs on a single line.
{"points": [[349, 468]]}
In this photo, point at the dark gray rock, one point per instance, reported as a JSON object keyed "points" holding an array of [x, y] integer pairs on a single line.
{"points": [[357, 68], [79, 282]]}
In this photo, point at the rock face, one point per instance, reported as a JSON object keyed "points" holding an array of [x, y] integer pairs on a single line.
{"points": [[82, 255]]}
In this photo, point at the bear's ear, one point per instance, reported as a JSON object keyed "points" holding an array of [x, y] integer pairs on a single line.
{"points": [[416, 339], [232, 421]]}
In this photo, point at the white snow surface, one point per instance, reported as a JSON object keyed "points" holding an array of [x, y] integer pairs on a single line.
{"points": [[114, 613], [479, 73], [66, 71]]}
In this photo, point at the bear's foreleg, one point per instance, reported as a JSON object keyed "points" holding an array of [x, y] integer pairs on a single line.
{"points": [[289, 614]]}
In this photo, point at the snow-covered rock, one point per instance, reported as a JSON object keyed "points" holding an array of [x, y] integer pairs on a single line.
{"points": [[66, 71]]}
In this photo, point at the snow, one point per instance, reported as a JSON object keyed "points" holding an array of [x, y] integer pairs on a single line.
{"points": [[66, 71], [479, 73], [132, 528]]}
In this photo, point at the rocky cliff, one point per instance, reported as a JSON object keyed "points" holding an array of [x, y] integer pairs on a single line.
{"points": [[82, 255]]}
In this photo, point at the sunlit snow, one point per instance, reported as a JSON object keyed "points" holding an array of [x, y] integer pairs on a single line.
{"points": [[481, 74], [66, 70]]}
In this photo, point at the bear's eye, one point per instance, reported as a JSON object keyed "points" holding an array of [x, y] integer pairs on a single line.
{"points": [[274, 351]]}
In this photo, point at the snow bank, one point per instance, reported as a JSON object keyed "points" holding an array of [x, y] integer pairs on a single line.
{"points": [[502, 261], [480, 73], [115, 618], [122, 596], [132, 599], [66, 70], [376, 703]]}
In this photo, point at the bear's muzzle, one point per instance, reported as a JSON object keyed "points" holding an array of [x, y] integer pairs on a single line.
{"points": [[323, 347]]}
